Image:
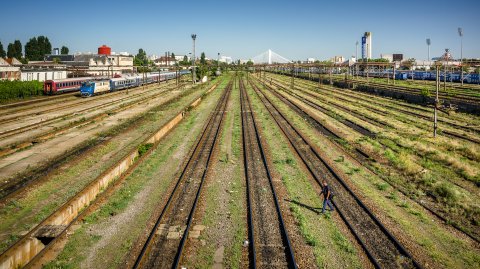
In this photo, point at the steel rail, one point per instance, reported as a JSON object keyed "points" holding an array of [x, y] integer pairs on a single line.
{"points": [[192, 160], [360, 160], [32, 260], [247, 111], [360, 205]]}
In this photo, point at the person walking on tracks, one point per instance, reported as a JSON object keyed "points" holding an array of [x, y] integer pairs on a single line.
{"points": [[327, 197]]}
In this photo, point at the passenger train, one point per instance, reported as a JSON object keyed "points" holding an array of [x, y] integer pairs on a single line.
{"points": [[473, 78], [89, 86], [57, 86], [424, 75]]}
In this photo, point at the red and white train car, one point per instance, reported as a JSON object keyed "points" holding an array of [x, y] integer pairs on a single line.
{"points": [[57, 86]]}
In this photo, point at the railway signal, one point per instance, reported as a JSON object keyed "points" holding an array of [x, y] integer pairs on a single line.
{"points": [[194, 36]]}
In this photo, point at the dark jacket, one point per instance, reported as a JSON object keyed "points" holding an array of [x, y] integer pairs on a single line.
{"points": [[326, 190]]}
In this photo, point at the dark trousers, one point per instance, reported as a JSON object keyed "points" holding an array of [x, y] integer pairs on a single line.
{"points": [[329, 203]]}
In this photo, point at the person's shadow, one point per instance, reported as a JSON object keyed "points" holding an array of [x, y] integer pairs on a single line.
{"points": [[317, 210]]}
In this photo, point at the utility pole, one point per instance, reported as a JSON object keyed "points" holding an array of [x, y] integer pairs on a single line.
{"points": [[445, 71], [460, 33], [428, 47], [356, 58], [194, 36], [436, 101], [293, 76]]}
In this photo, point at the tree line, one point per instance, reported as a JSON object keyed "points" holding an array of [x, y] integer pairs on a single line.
{"points": [[35, 49]]}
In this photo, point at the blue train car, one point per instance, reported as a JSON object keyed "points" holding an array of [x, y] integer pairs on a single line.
{"points": [[454, 77], [401, 76], [421, 75], [92, 87], [472, 78], [123, 83]]}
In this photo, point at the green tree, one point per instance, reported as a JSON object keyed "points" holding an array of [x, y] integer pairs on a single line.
{"points": [[64, 50], [185, 60], [37, 47], [2, 51], [44, 46], [18, 49], [11, 50], [202, 59], [172, 56], [140, 58], [14, 50], [32, 51], [249, 62]]}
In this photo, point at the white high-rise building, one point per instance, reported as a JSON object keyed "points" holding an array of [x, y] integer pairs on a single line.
{"points": [[367, 45]]}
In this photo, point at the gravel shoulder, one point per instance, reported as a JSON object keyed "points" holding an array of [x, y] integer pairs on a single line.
{"points": [[106, 237], [35, 202]]}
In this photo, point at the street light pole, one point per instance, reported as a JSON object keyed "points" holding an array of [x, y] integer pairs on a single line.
{"points": [[428, 46], [194, 36], [356, 59], [447, 51], [460, 33], [437, 102]]}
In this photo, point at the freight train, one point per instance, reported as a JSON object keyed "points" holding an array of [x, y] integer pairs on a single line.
{"points": [[99, 84]]}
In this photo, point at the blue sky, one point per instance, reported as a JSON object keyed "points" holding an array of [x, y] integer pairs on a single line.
{"points": [[243, 29]]}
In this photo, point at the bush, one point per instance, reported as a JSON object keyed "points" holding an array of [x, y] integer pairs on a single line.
{"points": [[143, 148], [446, 192], [19, 89]]}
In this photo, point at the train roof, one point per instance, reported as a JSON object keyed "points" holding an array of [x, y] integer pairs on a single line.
{"points": [[69, 79], [122, 78]]}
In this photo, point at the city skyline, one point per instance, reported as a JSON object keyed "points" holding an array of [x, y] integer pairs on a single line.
{"points": [[244, 30]]}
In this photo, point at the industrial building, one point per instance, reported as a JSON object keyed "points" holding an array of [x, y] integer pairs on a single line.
{"points": [[337, 59], [9, 71], [367, 45], [165, 61], [42, 71], [396, 57]]}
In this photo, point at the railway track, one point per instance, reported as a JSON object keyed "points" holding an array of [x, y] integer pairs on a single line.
{"points": [[404, 111], [269, 243], [360, 129], [457, 93], [10, 188], [38, 100], [453, 85], [75, 103], [116, 106], [462, 102], [362, 157], [358, 153], [446, 133], [382, 248], [31, 249], [167, 239]]}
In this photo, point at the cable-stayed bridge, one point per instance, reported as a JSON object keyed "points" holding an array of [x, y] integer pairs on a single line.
{"points": [[270, 57]]}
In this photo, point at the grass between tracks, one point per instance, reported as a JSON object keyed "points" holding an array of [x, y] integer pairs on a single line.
{"points": [[424, 167], [105, 237], [330, 247], [22, 214], [405, 217], [224, 195]]}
